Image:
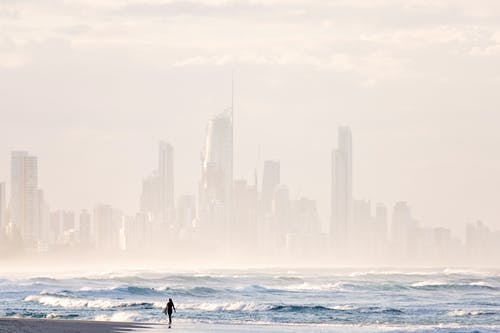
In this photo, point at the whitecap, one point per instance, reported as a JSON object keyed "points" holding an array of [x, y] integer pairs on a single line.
{"points": [[71, 302], [234, 306], [430, 283], [463, 313], [315, 287], [481, 284], [121, 316]]}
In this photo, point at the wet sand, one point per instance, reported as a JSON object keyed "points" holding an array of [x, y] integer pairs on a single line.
{"points": [[18, 325], [14, 325]]}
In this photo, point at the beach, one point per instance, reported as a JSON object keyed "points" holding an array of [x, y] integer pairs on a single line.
{"points": [[20, 325]]}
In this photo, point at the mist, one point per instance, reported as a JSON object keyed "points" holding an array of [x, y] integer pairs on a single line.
{"points": [[90, 89]]}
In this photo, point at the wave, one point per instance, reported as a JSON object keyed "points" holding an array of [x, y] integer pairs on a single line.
{"points": [[71, 302], [121, 316], [317, 287], [137, 290], [300, 308], [482, 284], [250, 306], [228, 306], [463, 313], [447, 284], [61, 316], [195, 291]]}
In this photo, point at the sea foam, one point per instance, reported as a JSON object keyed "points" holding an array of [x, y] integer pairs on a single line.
{"points": [[71, 302]]}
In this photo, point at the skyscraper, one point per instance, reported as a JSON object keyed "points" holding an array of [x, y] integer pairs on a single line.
{"points": [[381, 221], [341, 191], [2, 205], [23, 201], [84, 227], [270, 180], [103, 228], [166, 182], [157, 197], [216, 184], [403, 224]]}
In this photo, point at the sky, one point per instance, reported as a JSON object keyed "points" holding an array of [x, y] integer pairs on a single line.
{"points": [[90, 87]]}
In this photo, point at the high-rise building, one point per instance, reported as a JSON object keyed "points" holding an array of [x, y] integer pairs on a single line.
{"points": [[341, 192], [381, 222], [270, 180], [150, 199], [3, 200], [186, 211], [103, 227], [42, 228], [245, 213], [282, 213], [216, 184], [84, 227], [166, 182], [404, 229], [157, 197], [23, 200]]}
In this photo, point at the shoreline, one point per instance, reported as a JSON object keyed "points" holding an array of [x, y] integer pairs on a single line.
{"points": [[29, 325]]}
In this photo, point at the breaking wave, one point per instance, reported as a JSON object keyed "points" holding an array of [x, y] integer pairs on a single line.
{"points": [[75, 303]]}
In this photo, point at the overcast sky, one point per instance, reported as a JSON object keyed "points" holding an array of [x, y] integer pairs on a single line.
{"points": [[90, 87]]}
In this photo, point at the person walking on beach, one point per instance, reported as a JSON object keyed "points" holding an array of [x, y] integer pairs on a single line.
{"points": [[168, 310]]}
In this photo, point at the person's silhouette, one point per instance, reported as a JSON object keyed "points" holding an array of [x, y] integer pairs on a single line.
{"points": [[168, 310]]}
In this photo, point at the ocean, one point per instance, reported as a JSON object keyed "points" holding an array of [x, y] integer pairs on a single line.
{"points": [[443, 300]]}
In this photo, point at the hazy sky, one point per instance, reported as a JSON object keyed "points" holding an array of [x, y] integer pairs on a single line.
{"points": [[91, 86]]}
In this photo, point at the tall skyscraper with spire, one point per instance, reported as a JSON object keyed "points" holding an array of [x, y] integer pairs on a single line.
{"points": [[341, 190], [217, 162], [216, 183]]}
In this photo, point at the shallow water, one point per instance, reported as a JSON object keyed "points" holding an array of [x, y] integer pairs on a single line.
{"points": [[420, 300]]}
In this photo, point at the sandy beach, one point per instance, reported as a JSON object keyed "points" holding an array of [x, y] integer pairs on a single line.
{"points": [[15, 325], [20, 325]]}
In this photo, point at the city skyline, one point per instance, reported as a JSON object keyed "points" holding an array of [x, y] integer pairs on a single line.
{"points": [[342, 151], [266, 165], [107, 86], [227, 213]]}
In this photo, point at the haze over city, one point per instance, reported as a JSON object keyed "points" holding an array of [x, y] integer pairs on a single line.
{"points": [[268, 166], [91, 87]]}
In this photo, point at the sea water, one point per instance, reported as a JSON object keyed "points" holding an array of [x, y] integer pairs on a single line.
{"points": [[441, 300]]}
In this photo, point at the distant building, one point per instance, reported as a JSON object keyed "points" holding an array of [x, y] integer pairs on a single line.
{"points": [[103, 227], [381, 221], [157, 196], [84, 227], [3, 207], [42, 229], [406, 236], [216, 184], [402, 222], [166, 182], [245, 213], [150, 199], [270, 180], [23, 200], [186, 211], [282, 213], [341, 188]]}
